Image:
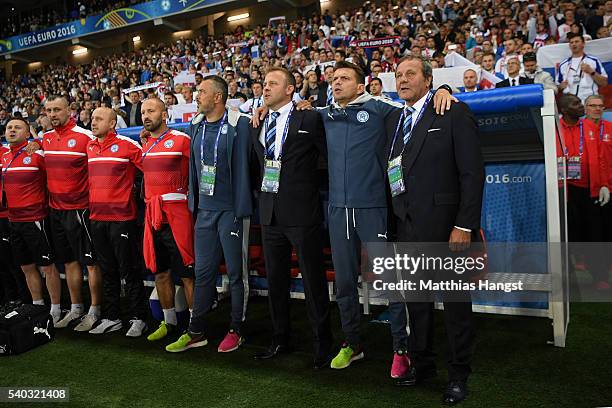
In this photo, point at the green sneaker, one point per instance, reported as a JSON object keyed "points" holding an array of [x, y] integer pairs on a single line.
{"points": [[162, 331], [186, 341], [346, 356]]}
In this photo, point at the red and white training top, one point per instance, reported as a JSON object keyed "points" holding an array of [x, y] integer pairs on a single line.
{"points": [[66, 159], [112, 166], [166, 166], [3, 209], [24, 183]]}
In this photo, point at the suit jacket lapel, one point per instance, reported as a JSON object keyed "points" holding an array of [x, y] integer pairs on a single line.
{"points": [[419, 133]]}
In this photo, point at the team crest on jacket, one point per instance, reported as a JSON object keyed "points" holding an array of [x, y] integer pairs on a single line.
{"points": [[114, 148], [71, 143], [363, 116], [224, 129], [606, 137], [27, 160], [168, 144]]}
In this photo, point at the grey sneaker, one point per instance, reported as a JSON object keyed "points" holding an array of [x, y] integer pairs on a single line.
{"points": [[68, 318], [87, 323], [137, 327], [107, 326]]}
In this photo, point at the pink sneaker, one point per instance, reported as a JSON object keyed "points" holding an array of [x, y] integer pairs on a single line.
{"points": [[231, 342], [401, 365]]}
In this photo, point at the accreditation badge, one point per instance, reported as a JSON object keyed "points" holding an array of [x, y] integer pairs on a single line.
{"points": [[207, 180], [271, 177], [573, 168], [395, 176]]}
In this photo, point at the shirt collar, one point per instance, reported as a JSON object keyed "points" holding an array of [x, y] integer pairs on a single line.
{"points": [[418, 105], [285, 109], [16, 148]]}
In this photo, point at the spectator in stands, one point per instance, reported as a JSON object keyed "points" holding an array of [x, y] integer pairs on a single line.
{"points": [[580, 74], [375, 88], [84, 119], [310, 89], [470, 81], [488, 63], [539, 76], [170, 99], [187, 93], [513, 68], [131, 111], [509, 52], [325, 95], [256, 101]]}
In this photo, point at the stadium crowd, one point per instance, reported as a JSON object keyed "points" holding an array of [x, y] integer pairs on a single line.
{"points": [[301, 78], [18, 21], [489, 38]]}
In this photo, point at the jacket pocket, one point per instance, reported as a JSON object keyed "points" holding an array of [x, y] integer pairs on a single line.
{"points": [[446, 198]]}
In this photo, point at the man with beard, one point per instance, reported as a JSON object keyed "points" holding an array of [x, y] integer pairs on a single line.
{"points": [[168, 235], [220, 199]]}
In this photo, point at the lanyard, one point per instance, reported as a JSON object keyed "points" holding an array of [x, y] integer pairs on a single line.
{"points": [[581, 137], [5, 169], [601, 129], [401, 121], [155, 144], [216, 140], [285, 131], [578, 68]]}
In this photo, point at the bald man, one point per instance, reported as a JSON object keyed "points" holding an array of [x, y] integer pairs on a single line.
{"points": [[168, 235], [470, 81], [112, 163]]}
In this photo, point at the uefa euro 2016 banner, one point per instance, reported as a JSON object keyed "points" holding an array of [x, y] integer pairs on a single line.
{"points": [[102, 22]]}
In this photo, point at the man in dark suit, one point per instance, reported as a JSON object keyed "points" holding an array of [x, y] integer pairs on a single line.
{"points": [[440, 201], [132, 110], [325, 95], [290, 211], [513, 66]]}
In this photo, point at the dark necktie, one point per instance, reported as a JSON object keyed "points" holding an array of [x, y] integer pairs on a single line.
{"points": [[271, 135]]}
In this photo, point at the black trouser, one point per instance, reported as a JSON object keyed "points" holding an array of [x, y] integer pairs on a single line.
{"points": [[115, 244], [13, 285], [585, 221], [307, 241], [458, 320]]}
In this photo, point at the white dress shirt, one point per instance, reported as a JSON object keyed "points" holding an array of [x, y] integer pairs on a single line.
{"points": [[281, 121]]}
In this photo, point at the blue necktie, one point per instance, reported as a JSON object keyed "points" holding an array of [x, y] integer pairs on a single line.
{"points": [[271, 135], [408, 110], [330, 96]]}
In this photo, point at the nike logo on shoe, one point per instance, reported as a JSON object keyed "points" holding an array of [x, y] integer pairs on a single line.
{"points": [[124, 236]]}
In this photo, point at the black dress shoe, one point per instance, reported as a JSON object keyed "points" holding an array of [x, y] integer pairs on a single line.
{"points": [[456, 391], [414, 376], [322, 361], [273, 351]]}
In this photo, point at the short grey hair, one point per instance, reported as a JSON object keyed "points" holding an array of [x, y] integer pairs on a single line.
{"points": [[588, 99], [426, 67]]}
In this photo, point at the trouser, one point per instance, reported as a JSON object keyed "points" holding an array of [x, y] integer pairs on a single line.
{"points": [[115, 244], [412, 326], [348, 229], [220, 234], [13, 285], [307, 241], [586, 224]]}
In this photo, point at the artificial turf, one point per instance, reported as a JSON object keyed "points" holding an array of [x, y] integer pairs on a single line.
{"points": [[513, 367]]}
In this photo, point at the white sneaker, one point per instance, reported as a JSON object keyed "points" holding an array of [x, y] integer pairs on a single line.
{"points": [[136, 329], [69, 317], [87, 323], [56, 319], [107, 326]]}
